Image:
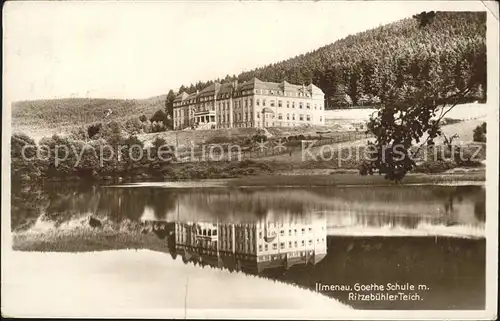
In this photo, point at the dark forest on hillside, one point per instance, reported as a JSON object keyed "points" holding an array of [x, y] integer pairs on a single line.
{"points": [[359, 69]]}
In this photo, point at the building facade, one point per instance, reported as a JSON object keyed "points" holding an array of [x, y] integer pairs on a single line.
{"points": [[253, 247], [254, 103]]}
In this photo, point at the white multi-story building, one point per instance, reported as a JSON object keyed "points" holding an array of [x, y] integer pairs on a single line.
{"points": [[254, 246], [254, 103]]}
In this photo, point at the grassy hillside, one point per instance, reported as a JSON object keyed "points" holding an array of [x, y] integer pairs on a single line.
{"points": [[185, 138], [42, 117]]}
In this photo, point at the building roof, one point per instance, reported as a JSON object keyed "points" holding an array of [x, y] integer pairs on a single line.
{"points": [[314, 89], [181, 96], [226, 87], [250, 84], [209, 90], [191, 96], [254, 83]]}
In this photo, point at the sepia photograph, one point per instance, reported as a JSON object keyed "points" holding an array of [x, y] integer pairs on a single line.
{"points": [[250, 159]]}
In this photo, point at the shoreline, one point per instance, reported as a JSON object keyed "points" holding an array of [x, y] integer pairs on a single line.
{"points": [[346, 179], [82, 240], [297, 177]]}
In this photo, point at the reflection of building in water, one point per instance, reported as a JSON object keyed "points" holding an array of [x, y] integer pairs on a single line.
{"points": [[160, 228], [253, 247]]}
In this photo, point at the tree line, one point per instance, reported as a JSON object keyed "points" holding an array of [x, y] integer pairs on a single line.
{"points": [[423, 90], [359, 69], [110, 151]]}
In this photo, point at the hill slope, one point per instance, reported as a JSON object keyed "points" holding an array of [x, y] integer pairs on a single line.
{"points": [[42, 117], [449, 46], [442, 48]]}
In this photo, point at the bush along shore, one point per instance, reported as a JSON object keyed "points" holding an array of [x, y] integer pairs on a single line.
{"points": [[65, 158]]}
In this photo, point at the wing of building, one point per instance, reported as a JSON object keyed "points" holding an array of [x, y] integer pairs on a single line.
{"points": [[254, 103]]}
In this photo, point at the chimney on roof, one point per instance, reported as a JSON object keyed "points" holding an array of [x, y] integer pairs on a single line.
{"points": [[235, 83], [197, 91]]}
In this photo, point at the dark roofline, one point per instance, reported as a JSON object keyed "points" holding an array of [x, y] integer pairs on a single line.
{"points": [[228, 86]]}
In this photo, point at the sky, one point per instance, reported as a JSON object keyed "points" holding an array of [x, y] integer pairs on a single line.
{"points": [[141, 49]]}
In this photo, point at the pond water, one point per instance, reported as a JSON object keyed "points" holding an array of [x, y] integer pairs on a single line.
{"points": [[427, 235]]}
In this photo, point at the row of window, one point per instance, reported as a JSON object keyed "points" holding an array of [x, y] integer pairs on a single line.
{"points": [[238, 125], [280, 224], [238, 117], [237, 104], [247, 92], [226, 244], [282, 256], [236, 93], [282, 232], [248, 248], [295, 244], [207, 232], [226, 231], [242, 233], [178, 112], [300, 118], [206, 98], [248, 102], [280, 104], [282, 93], [258, 124], [246, 116], [223, 107], [246, 124]]}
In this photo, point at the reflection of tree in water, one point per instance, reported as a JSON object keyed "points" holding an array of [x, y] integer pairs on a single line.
{"points": [[456, 194], [480, 210], [69, 200], [161, 200], [61, 202], [28, 202], [260, 210], [130, 203], [383, 194], [398, 200], [249, 206], [171, 245], [118, 204], [57, 202], [389, 219]]}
